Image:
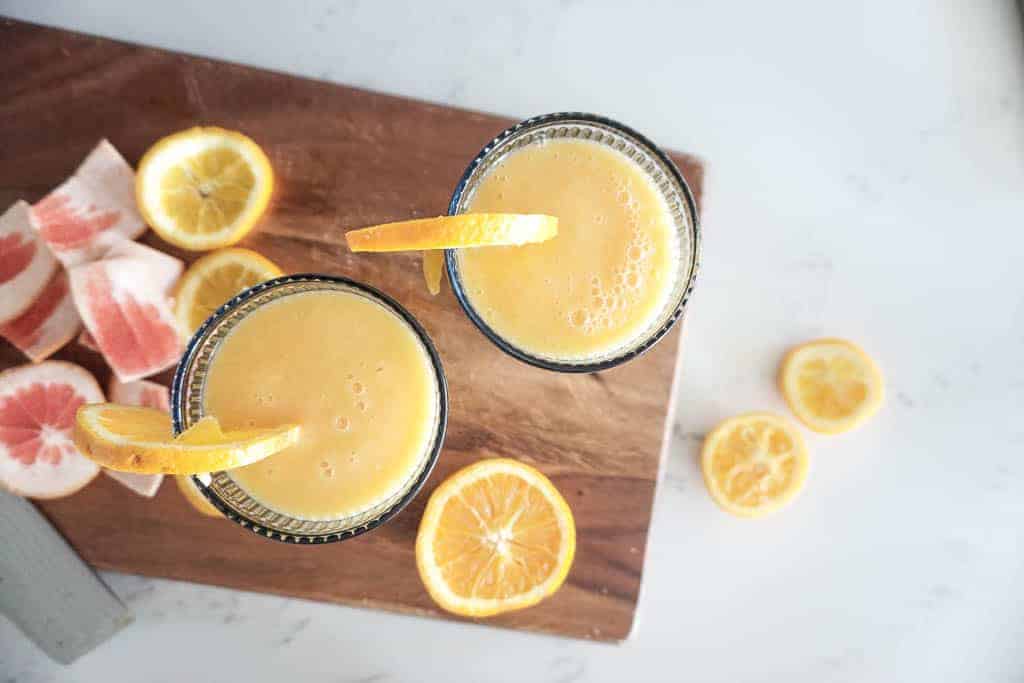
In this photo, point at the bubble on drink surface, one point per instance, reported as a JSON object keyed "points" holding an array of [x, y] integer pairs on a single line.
{"points": [[342, 423], [324, 464], [358, 388], [579, 317], [361, 405], [329, 472]]}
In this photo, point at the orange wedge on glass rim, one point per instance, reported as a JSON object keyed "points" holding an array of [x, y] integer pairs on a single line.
{"points": [[132, 439], [455, 232], [430, 235]]}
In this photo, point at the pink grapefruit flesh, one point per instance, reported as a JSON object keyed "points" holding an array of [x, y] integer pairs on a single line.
{"points": [[92, 210], [37, 414], [26, 264], [48, 324], [124, 303], [147, 395]]}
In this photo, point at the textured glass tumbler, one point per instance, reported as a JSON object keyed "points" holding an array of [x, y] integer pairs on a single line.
{"points": [[652, 162], [220, 489]]}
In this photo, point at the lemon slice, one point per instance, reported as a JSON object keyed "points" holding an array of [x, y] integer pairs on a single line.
{"points": [[194, 497], [132, 439], [831, 385], [214, 279], [495, 536], [433, 270], [203, 188], [754, 464], [454, 232]]}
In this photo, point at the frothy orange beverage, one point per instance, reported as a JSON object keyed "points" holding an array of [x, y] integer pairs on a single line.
{"points": [[356, 378], [603, 281]]}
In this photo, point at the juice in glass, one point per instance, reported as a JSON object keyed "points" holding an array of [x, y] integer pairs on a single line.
{"points": [[613, 278], [358, 377]]}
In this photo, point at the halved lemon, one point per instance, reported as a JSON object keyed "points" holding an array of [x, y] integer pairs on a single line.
{"points": [[455, 232], [831, 385], [754, 464], [203, 188], [194, 497], [214, 279], [433, 270], [496, 536], [131, 439]]}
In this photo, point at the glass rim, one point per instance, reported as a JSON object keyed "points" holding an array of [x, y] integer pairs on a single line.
{"points": [[256, 526], [642, 344]]}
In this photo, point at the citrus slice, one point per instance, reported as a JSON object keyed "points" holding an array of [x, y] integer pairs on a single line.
{"points": [[37, 415], [831, 385], [194, 497], [48, 324], [203, 188], [433, 270], [148, 395], [214, 279], [26, 264], [454, 232], [496, 536], [754, 464], [131, 439], [92, 211], [123, 301]]}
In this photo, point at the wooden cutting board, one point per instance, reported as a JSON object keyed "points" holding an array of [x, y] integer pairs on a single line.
{"points": [[344, 158]]}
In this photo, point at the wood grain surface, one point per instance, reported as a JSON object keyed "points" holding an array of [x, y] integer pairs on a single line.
{"points": [[344, 158]]}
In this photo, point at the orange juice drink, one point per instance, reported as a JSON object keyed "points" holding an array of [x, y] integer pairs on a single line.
{"points": [[613, 276], [358, 377]]}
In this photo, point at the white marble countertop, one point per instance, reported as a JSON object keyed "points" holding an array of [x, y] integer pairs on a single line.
{"points": [[866, 179]]}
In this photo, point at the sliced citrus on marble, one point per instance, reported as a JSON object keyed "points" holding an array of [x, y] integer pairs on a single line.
{"points": [[831, 385], [38, 458], [433, 270], [496, 536], [203, 188], [194, 497], [754, 464], [455, 232], [131, 439], [214, 279]]}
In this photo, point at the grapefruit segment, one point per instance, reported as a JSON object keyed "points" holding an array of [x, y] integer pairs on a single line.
{"points": [[38, 458], [26, 265], [124, 304], [92, 210], [140, 393], [148, 395], [48, 324]]}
